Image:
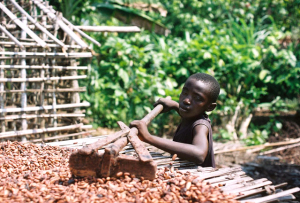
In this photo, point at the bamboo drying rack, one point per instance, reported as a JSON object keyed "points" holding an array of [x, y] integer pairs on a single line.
{"points": [[39, 72]]}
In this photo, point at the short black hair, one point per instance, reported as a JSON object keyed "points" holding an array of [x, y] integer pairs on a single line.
{"points": [[211, 81]]}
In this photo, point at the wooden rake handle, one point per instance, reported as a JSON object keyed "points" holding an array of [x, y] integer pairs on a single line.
{"points": [[132, 137], [137, 144]]}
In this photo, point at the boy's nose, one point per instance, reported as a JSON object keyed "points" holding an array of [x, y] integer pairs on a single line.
{"points": [[186, 101]]}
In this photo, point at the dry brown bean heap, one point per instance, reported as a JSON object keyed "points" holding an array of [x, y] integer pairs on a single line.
{"points": [[31, 173]]}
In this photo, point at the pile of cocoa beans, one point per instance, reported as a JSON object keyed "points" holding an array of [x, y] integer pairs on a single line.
{"points": [[32, 173]]}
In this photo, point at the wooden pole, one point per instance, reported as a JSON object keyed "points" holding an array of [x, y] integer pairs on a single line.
{"points": [[13, 117], [42, 79], [33, 44], [109, 28], [80, 89], [80, 32], [48, 107], [23, 84], [15, 40], [46, 54], [44, 67]]}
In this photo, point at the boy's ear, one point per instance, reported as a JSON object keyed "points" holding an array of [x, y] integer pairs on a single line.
{"points": [[211, 107]]}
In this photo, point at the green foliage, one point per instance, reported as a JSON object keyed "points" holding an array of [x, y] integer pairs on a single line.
{"points": [[260, 134], [251, 47]]}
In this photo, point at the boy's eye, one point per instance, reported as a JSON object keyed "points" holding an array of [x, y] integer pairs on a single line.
{"points": [[197, 98]]}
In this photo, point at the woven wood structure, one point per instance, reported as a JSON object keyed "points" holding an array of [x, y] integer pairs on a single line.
{"points": [[39, 72]]}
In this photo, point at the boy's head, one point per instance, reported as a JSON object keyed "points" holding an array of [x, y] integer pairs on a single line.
{"points": [[211, 83], [199, 94]]}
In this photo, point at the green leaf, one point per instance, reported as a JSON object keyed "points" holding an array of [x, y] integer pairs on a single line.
{"points": [[263, 74], [124, 75]]}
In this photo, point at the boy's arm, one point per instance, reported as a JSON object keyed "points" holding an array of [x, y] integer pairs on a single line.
{"points": [[195, 152], [168, 104]]}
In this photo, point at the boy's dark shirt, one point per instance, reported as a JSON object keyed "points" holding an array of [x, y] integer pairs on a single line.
{"points": [[184, 134]]}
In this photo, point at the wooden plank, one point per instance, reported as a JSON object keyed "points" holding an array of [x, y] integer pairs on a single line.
{"points": [[257, 191], [228, 188], [240, 190], [226, 177], [234, 181], [273, 197]]}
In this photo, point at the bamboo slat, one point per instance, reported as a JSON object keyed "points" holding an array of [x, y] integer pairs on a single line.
{"points": [[81, 89], [43, 67], [45, 54], [273, 197], [49, 107], [80, 32], [42, 79], [109, 28], [22, 26], [61, 24], [13, 117], [38, 25], [33, 44], [15, 40]]}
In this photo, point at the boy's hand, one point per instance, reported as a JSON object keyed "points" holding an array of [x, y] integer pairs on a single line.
{"points": [[168, 104], [142, 128]]}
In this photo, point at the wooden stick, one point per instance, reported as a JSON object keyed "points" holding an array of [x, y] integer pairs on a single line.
{"points": [[232, 182], [80, 32], [239, 190], [272, 197], [46, 54], [44, 67], [226, 177], [109, 28], [13, 117], [230, 188], [31, 27], [139, 147], [81, 89], [22, 26], [37, 24], [258, 146], [15, 40], [33, 44], [36, 131], [50, 107], [42, 79], [280, 149], [61, 24], [257, 191]]}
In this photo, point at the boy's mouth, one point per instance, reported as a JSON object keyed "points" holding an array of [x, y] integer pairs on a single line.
{"points": [[183, 109]]}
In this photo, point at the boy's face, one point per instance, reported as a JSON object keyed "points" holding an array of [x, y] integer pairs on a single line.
{"points": [[194, 99]]}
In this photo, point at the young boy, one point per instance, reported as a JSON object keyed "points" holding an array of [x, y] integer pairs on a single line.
{"points": [[193, 138]]}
